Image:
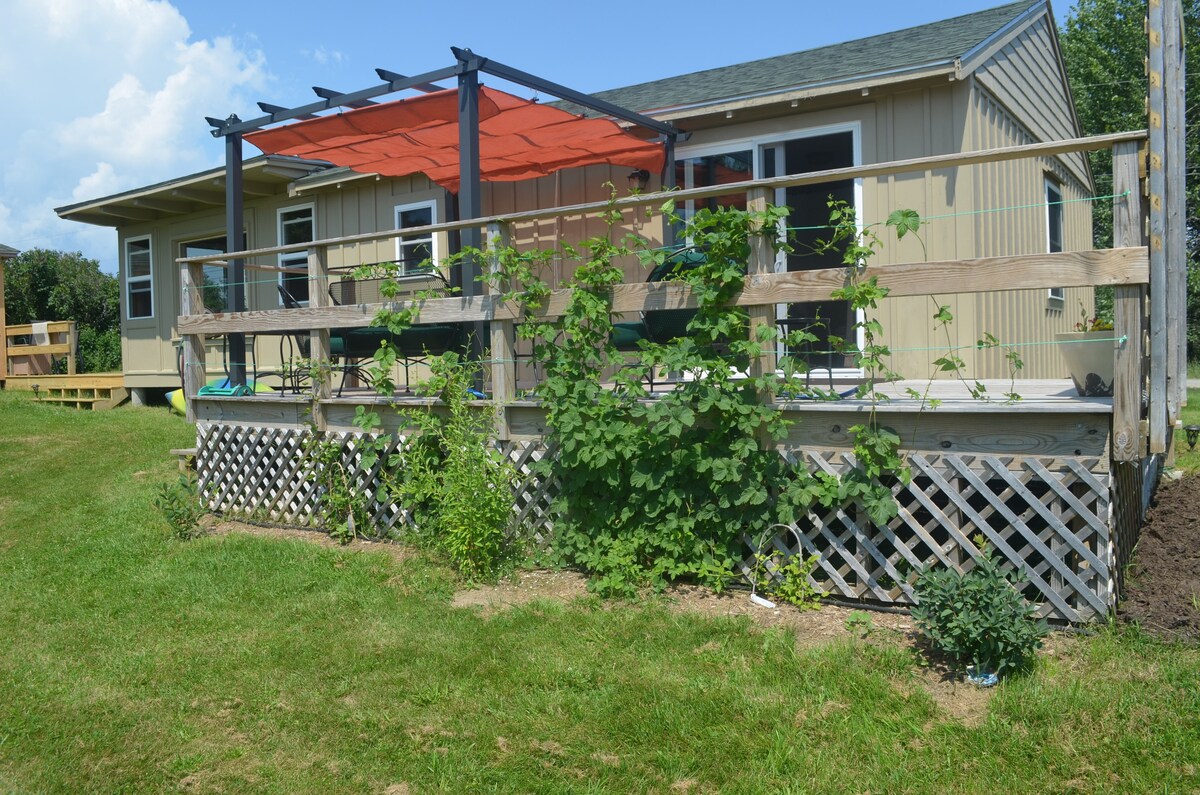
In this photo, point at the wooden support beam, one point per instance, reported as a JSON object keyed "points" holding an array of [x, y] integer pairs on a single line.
{"points": [[1122, 266], [3, 331], [131, 213], [1175, 125], [503, 333], [72, 347], [762, 317], [212, 198], [1159, 284], [1128, 311], [165, 205], [318, 297], [191, 277], [762, 263]]}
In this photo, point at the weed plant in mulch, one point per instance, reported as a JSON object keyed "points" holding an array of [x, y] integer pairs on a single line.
{"points": [[1163, 589]]}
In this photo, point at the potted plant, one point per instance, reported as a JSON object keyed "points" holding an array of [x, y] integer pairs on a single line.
{"points": [[1089, 359]]}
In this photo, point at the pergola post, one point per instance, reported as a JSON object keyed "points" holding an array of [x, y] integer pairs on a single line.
{"points": [[234, 224], [469, 203]]}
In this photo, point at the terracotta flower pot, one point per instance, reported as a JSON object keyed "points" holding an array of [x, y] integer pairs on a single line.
{"points": [[1089, 357]]}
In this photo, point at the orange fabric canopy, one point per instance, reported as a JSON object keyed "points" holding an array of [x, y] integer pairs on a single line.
{"points": [[518, 139]]}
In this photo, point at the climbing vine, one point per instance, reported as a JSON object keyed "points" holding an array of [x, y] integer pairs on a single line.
{"points": [[651, 487]]}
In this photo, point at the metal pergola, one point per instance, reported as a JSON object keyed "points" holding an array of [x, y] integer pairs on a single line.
{"points": [[466, 70]]}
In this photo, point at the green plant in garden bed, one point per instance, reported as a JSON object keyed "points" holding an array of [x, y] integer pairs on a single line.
{"points": [[181, 507], [653, 490], [978, 618]]}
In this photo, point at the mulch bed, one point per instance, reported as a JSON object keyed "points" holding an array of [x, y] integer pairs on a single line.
{"points": [[1163, 587]]}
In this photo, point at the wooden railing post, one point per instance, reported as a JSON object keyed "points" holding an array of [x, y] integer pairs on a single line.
{"points": [[1160, 380], [191, 276], [319, 347], [1129, 311], [3, 330], [762, 261], [72, 346], [504, 351]]}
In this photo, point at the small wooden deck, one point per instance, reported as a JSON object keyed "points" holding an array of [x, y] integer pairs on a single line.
{"points": [[95, 391]]}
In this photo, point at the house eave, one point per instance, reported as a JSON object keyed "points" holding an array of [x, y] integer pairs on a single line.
{"points": [[264, 175]]}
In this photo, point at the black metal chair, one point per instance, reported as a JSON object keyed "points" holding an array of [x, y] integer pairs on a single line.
{"points": [[414, 344]]}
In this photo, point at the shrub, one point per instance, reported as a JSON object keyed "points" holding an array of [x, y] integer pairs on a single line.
{"points": [[458, 485], [181, 508], [979, 617]]}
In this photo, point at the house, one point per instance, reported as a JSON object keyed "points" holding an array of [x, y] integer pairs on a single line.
{"points": [[985, 80]]}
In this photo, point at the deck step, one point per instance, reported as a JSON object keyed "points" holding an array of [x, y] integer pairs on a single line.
{"points": [[187, 458], [94, 398]]}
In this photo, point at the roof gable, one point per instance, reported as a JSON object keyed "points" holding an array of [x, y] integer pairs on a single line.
{"points": [[925, 45]]}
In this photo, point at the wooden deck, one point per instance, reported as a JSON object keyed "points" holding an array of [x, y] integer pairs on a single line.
{"points": [[95, 391], [1049, 420]]}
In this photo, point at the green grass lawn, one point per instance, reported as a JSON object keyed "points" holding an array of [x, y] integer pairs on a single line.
{"points": [[131, 662]]}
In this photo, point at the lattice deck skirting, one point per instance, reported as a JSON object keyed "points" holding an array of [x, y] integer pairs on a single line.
{"points": [[1049, 516]]}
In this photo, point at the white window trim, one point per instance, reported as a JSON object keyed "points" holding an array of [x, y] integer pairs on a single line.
{"points": [[149, 277], [281, 259], [432, 206], [756, 144], [1056, 297]]}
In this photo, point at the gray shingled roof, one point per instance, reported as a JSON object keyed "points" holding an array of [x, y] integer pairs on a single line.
{"points": [[8, 251], [936, 42]]}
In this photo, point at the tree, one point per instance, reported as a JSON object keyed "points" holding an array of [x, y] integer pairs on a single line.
{"points": [[1104, 45], [41, 284]]}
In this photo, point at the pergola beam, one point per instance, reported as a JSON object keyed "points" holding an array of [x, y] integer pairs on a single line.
{"points": [[267, 107], [562, 92], [342, 100], [395, 77], [329, 93]]}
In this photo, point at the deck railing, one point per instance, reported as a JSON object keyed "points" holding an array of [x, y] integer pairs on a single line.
{"points": [[62, 340], [1146, 344]]}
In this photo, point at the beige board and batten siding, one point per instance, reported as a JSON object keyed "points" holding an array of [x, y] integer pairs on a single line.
{"points": [[148, 354], [987, 210], [1029, 318], [363, 204]]}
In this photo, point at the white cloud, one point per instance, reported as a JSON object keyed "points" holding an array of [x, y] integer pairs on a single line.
{"points": [[324, 56], [108, 95]]}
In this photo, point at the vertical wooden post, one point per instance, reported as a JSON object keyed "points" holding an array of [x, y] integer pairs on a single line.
{"points": [[762, 261], [72, 346], [1175, 125], [1159, 285], [319, 348], [3, 329], [191, 276], [504, 352], [1129, 308]]}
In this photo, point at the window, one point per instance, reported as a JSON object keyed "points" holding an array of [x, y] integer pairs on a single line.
{"points": [[295, 226], [139, 279], [715, 169], [1054, 233], [215, 288], [416, 253]]}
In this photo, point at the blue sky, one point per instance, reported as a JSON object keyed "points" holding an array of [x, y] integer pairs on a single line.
{"points": [[115, 91]]}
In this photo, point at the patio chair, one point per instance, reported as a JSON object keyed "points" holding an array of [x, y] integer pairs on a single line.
{"points": [[660, 326], [415, 344]]}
